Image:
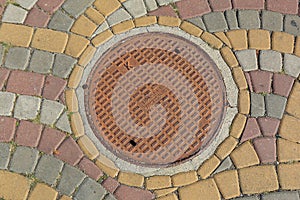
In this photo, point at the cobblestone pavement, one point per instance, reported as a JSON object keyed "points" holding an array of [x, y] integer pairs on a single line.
{"points": [[46, 48]]}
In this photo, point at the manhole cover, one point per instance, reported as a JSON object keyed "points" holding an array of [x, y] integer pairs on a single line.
{"points": [[155, 99]]}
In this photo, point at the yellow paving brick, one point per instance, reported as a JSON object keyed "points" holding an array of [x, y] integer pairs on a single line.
{"points": [[293, 106], [71, 100], [184, 178], [202, 190], [77, 125], [226, 147], [88, 147], [208, 167], [223, 37], [228, 184], [239, 78], [297, 47], [65, 198], [238, 39], [145, 21], [164, 192], [259, 39], [42, 191], [229, 57], [76, 45], [107, 166], [244, 156], [169, 197], [123, 27], [212, 40], [169, 21], [94, 15], [16, 35], [191, 28], [158, 182], [84, 26], [244, 102], [287, 151], [107, 7], [13, 186], [49, 40], [75, 77], [258, 179], [131, 179], [102, 37], [289, 128], [283, 42], [238, 125], [87, 55], [288, 175]]}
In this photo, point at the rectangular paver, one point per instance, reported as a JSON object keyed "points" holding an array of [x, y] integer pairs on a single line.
{"points": [[7, 101], [4, 155]]}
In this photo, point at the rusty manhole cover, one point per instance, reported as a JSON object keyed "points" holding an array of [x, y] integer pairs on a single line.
{"points": [[155, 99]]}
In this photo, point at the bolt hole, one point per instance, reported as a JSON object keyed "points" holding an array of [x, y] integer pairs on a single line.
{"points": [[133, 143]]}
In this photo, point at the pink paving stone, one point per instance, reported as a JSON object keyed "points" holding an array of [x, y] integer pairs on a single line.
{"points": [[265, 149], [261, 81], [251, 130], [4, 73], [110, 184], [53, 87], [164, 11], [28, 134], [220, 5], [248, 79], [7, 129], [248, 4], [282, 84], [129, 193], [50, 5], [27, 83], [2, 6], [69, 152], [90, 169], [37, 17], [50, 140], [283, 6], [192, 8], [268, 126]]}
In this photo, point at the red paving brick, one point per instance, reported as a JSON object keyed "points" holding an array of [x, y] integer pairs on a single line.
{"points": [[261, 81], [50, 140], [283, 6], [192, 8], [37, 17], [50, 5], [220, 5], [251, 130], [90, 169], [7, 129], [129, 193], [265, 149], [4, 73], [53, 87], [248, 79], [28, 134], [110, 184], [268, 126], [245, 4], [164, 11], [282, 84], [27, 83]]}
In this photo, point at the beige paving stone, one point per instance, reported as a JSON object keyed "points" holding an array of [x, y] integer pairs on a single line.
{"points": [[226, 147], [258, 179], [238, 39], [289, 128], [239, 78], [259, 39], [102, 37], [88, 147], [288, 175], [184, 178], [169, 197], [293, 106], [158, 182], [84, 26], [283, 42], [65, 198], [201, 190], [107, 7], [77, 125], [87, 55], [75, 77], [145, 21], [244, 102], [107, 166], [123, 27], [212, 40], [71, 100], [223, 38], [228, 184], [76, 45], [169, 21], [42, 191], [191, 28], [49, 40], [297, 47], [244, 156], [94, 15], [131, 179], [238, 125], [208, 167], [164, 192], [229, 57], [16, 35], [287, 151]]}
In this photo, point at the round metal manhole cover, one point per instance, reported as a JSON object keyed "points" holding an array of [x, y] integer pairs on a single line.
{"points": [[155, 99]]}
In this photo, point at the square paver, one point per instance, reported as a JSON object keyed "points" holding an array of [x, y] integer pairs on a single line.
{"points": [[17, 58], [61, 21], [272, 21], [24, 160], [247, 59], [270, 61], [7, 101], [41, 61], [4, 155], [245, 15], [291, 65], [63, 65], [28, 134], [215, 22], [76, 7], [90, 190], [14, 14], [136, 8], [275, 105], [27, 107], [37, 17], [50, 111]]}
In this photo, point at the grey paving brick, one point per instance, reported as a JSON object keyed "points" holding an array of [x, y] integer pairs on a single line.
{"points": [[90, 190], [275, 105], [136, 8], [247, 59], [17, 58], [4, 155], [76, 7], [63, 123], [71, 178], [231, 19], [118, 16], [48, 169], [291, 65], [7, 101], [257, 105], [248, 19], [292, 24], [284, 195], [41, 62], [226, 164], [14, 14], [110, 197], [24, 160], [165, 2], [198, 21], [151, 5], [50, 111], [63, 65], [270, 61], [272, 21], [27, 107], [61, 21], [215, 22], [28, 4], [248, 198]]}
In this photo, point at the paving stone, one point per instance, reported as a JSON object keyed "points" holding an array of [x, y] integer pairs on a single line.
{"points": [[27, 107], [291, 65], [63, 65], [110, 197], [71, 178], [110, 184], [275, 105], [41, 62], [198, 22], [225, 165], [249, 82], [250, 5], [292, 24], [136, 8], [36, 17], [43, 191], [283, 6], [251, 130], [61, 21], [283, 195], [192, 8], [14, 14], [128, 25], [288, 175], [107, 7], [76, 45], [287, 151], [231, 19], [4, 155], [272, 21], [282, 84], [157, 182], [84, 26], [220, 5], [24, 160], [28, 134], [7, 128], [164, 11], [69, 152], [259, 39], [212, 40], [7, 101], [244, 102], [94, 15], [50, 111], [151, 5], [50, 6], [245, 15], [4, 73], [215, 22], [266, 149], [226, 147], [50, 140], [118, 17], [208, 167], [53, 87], [228, 184], [127, 193], [63, 123], [26, 4], [283, 42], [270, 61], [247, 59], [17, 58], [244, 156], [268, 126], [257, 105], [17, 35], [48, 169], [293, 106], [261, 81], [289, 128], [76, 7], [90, 190], [88, 147], [90, 169], [184, 178]]}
